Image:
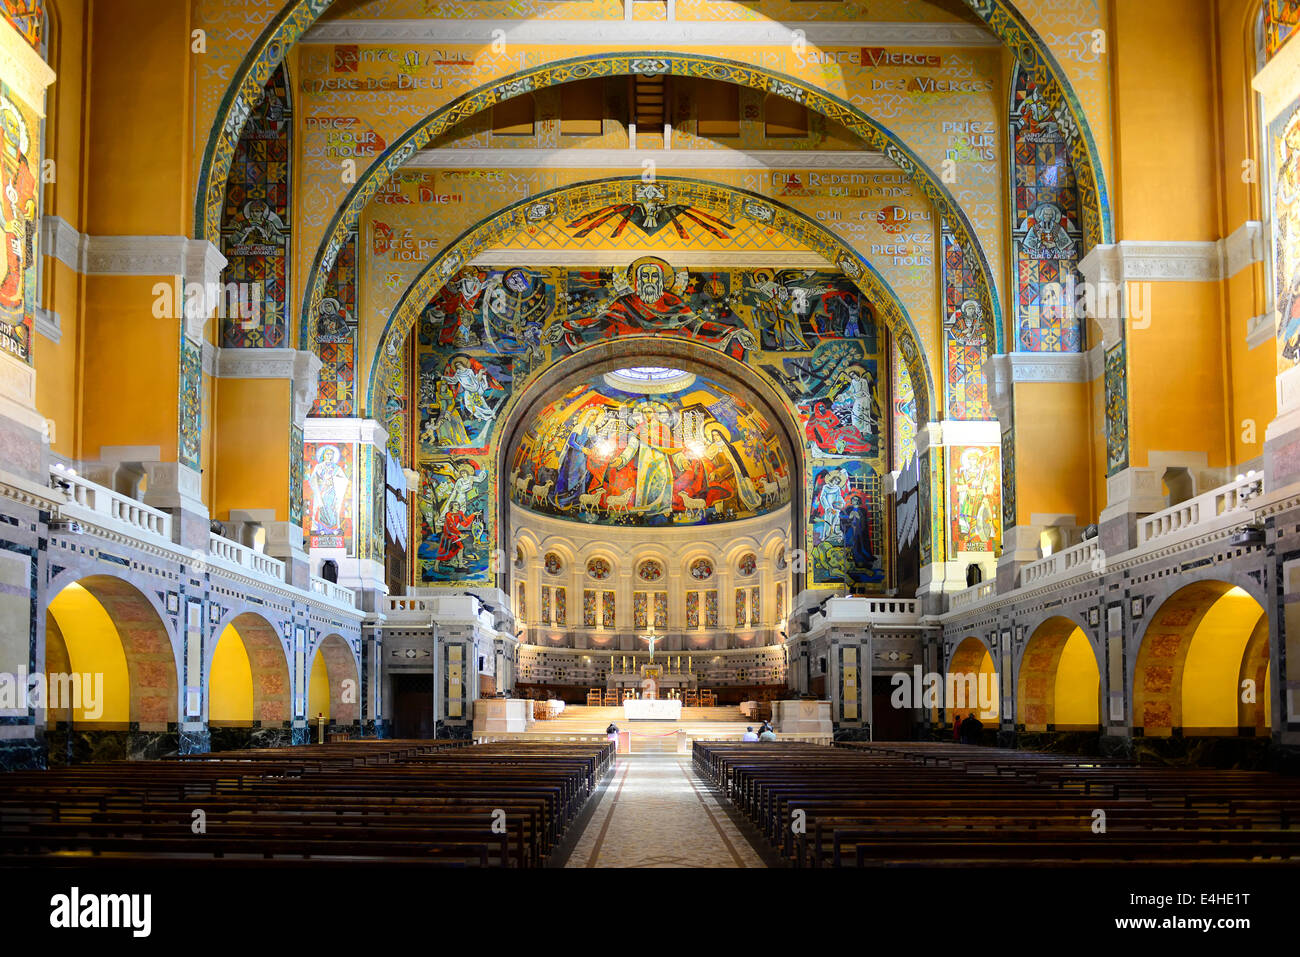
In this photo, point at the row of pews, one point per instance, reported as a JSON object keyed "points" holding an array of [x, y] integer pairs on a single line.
{"points": [[386, 803], [912, 803]]}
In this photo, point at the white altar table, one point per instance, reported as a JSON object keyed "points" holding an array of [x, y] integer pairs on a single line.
{"points": [[660, 709]]}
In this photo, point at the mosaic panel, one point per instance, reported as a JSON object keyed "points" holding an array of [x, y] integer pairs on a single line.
{"points": [[336, 338], [20, 172], [975, 488], [846, 524], [1009, 478], [1280, 19], [28, 18], [967, 332], [255, 226], [190, 451], [330, 494], [1046, 232], [1116, 379], [454, 541], [297, 475]]}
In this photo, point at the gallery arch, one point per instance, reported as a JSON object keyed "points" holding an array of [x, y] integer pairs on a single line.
{"points": [[333, 684], [248, 676], [971, 682], [109, 669], [1200, 669], [1058, 687]]}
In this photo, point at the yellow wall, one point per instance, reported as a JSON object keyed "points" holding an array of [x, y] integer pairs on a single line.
{"points": [[1078, 684], [251, 454], [93, 647], [1213, 664], [318, 691], [1176, 377], [1053, 470], [1165, 169], [58, 364], [230, 680], [132, 370], [141, 75]]}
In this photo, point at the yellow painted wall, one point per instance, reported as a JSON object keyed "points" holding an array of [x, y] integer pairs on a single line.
{"points": [[140, 90], [1053, 458], [230, 680], [132, 368], [1158, 58], [1176, 380], [318, 690], [251, 454], [58, 364], [1213, 663], [1252, 398], [1078, 684], [94, 647]]}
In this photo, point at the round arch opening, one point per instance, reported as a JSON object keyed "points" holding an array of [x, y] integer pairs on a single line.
{"points": [[1203, 668], [1059, 684], [971, 683]]}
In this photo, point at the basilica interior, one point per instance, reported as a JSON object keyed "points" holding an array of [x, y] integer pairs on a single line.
{"points": [[600, 382]]}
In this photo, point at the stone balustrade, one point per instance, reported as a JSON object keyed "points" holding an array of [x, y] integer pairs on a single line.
{"points": [[333, 592], [1082, 557], [1200, 512], [246, 559], [95, 503]]}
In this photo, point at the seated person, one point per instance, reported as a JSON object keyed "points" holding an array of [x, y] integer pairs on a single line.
{"points": [[767, 734], [749, 735]]}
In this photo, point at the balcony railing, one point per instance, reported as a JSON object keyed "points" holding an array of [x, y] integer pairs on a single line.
{"points": [[441, 608], [333, 592], [882, 610], [245, 558], [1201, 510], [1068, 561], [973, 595], [92, 502]]}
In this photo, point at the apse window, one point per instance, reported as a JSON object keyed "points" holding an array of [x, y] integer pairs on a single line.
{"points": [[655, 379], [650, 373]]}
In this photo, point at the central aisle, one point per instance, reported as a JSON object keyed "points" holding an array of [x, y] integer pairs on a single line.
{"points": [[656, 813]]}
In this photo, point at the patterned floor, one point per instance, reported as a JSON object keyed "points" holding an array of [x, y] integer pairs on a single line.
{"points": [[656, 813]]}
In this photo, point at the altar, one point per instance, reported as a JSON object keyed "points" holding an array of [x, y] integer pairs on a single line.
{"points": [[652, 709]]}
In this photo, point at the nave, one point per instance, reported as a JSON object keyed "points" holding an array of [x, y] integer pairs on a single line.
{"points": [[414, 805]]}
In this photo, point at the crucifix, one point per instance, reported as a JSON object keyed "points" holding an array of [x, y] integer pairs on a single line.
{"points": [[652, 638]]}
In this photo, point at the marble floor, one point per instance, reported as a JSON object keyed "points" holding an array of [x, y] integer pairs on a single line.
{"points": [[656, 813]]}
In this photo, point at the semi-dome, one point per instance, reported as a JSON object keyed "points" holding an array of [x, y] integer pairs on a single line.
{"points": [[651, 445]]}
